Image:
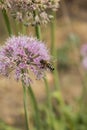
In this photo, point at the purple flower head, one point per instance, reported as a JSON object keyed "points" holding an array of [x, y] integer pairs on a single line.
{"points": [[84, 55], [84, 62], [31, 11], [84, 50], [23, 54]]}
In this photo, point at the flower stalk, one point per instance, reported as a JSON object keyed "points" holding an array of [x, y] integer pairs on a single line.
{"points": [[49, 104], [6, 19], [25, 105], [35, 107], [53, 50], [52, 31], [38, 32]]}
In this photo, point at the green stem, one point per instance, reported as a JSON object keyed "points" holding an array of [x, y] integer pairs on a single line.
{"points": [[24, 29], [56, 78], [25, 105], [37, 27], [49, 104], [35, 106], [38, 32], [52, 24], [53, 50], [7, 21]]}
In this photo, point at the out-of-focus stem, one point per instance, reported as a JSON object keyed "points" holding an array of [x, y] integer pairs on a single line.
{"points": [[53, 50], [6, 19], [52, 31], [37, 28], [35, 107], [38, 31], [25, 105], [49, 104]]}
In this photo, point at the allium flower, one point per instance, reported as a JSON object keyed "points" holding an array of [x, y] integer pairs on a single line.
{"points": [[84, 50], [84, 55], [84, 62], [21, 55], [31, 11]]}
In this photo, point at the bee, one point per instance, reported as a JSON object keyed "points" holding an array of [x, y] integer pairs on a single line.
{"points": [[46, 64]]}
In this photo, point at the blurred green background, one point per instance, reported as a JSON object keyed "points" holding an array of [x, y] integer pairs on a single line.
{"points": [[71, 33]]}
